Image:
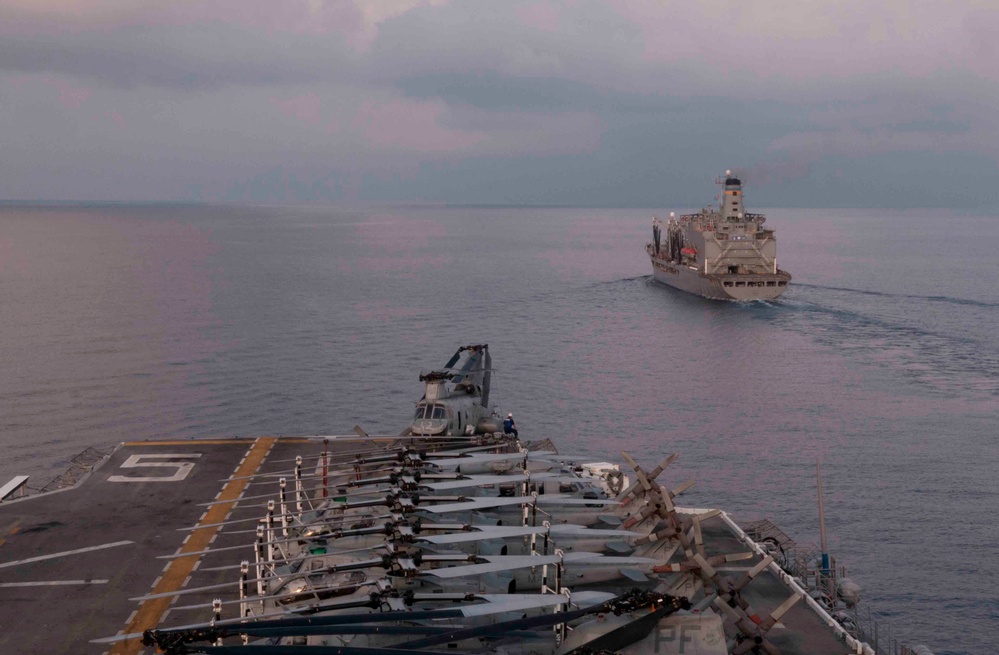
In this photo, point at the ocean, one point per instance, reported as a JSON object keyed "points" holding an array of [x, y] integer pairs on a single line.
{"points": [[130, 322]]}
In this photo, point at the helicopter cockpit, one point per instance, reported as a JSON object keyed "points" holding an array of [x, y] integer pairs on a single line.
{"points": [[431, 418], [430, 411]]}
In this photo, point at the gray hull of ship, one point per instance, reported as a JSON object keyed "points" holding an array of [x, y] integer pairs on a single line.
{"points": [[713, 286]]}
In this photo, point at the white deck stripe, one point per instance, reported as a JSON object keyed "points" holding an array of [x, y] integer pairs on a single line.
{"points": [[4, 565], [51, 583]]}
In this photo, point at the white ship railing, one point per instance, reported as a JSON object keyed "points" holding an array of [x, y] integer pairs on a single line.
{"points": [[856, 646]]}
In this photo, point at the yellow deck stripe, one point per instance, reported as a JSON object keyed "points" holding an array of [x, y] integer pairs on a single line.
{"points": [[220, 442], [151, 611], [188, 442], [14, 528]]}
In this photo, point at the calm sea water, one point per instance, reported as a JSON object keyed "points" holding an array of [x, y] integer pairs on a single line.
{"points": [[882, 359]]}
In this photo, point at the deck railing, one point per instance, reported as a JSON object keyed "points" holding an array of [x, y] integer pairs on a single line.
{"points": [[802, 562], [79, 466]]}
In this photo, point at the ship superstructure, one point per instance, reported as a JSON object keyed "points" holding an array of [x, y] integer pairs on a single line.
{"points": [[723, 253]]}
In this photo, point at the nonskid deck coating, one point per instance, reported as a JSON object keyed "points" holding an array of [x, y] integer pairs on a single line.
{"points": [[109, 535], [108, 508]]}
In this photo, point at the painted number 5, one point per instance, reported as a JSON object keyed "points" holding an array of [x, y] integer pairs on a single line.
{"points": [[181, 468]]}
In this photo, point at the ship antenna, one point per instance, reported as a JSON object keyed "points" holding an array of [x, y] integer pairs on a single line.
{"points": [[822, 530]]}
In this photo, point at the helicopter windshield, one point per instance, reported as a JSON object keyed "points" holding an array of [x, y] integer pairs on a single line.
{"points": [[433, 411]]}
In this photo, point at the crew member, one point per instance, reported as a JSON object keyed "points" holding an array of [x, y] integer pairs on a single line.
{"points": [[509, 427]]}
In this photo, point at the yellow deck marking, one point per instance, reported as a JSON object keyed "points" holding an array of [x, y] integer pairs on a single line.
{"points": [[14, 529], [225, 442], [189, 442], [151, 611], [219, 442]]}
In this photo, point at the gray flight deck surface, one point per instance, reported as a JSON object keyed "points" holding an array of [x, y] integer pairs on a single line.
{"points": [[146, 494], [100, 513], [803, 631]]}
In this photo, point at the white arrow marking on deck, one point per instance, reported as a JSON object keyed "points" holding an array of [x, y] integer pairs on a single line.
{"points": [[4, 565], [51, 583]]}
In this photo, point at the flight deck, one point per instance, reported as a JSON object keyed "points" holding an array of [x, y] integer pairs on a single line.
{"points": [[109, 556], [70, 561]]}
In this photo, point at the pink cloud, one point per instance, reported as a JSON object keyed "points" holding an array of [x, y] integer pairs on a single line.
{"points": [[774, 39], [980, 27], [861, 143], [513, 133], [301, 15], [541, 16], [72, 96], [404, 124], [305, 107], [357, 20]]}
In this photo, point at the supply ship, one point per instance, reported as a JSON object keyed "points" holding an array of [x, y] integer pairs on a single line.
{"points": [[464, 541], [721, 254]]}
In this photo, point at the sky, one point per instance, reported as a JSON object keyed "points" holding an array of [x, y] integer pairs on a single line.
{"points": [[620, 103]]}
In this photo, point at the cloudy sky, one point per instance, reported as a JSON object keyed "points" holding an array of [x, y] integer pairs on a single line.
{"points": [[891, 103]]}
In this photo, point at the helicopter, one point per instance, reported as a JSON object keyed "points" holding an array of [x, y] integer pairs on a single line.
{"points": [[419, 587], [456, 398]]}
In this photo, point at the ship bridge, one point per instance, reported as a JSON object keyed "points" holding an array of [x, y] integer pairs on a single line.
{"points": [[732, 208]]}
